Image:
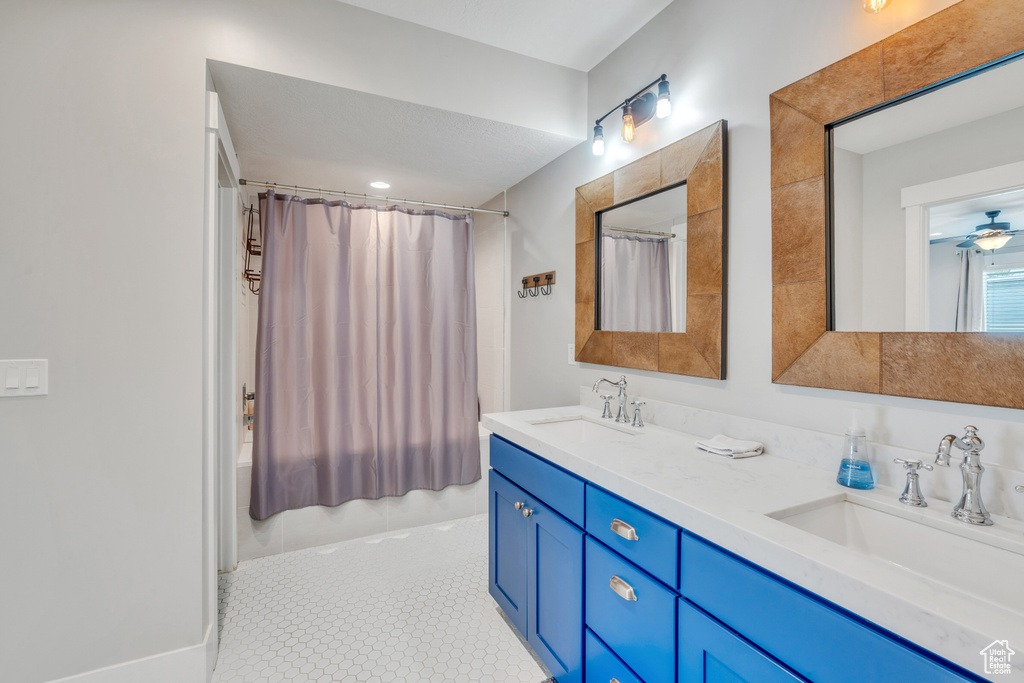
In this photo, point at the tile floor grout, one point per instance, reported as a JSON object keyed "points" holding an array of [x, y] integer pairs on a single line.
{"points": [[405, 606]]}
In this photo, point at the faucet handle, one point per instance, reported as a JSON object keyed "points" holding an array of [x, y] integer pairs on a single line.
{"points": [[607, 414], [1019, 488], [912, 466], [637, 420], [912, 491]]}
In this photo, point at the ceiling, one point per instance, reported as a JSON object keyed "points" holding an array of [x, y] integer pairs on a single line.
{"points": [[962, 218], [986, 94], [662, 212], [300, 132], [573, 33]]}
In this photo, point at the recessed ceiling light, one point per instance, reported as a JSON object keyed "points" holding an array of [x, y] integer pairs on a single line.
{"points": [[380, 185], [935, 234]]}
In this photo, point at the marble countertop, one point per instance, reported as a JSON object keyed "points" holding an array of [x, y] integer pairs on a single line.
{"points": [[725, 501]]}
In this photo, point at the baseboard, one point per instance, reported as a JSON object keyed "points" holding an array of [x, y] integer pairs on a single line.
{"points": [[187, 665]]}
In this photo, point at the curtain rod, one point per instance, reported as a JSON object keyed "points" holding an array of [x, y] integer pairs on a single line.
{"points": [[299, 188], [639, 232]]}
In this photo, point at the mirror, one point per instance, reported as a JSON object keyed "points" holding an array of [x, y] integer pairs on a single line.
{"points": [[928, 211], [680, 185], [642, 251], [970, 38]]}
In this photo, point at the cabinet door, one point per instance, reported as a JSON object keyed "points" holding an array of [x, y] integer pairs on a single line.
{"points": [[711, 653], [508, 582], [556, 593]]}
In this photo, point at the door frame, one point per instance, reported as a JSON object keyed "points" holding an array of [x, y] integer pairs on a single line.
{"points": [[221, 412]]}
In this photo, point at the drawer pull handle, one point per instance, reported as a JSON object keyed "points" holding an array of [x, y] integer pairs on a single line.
{"points": [[625, 530], [624, 590], [520, 505]]}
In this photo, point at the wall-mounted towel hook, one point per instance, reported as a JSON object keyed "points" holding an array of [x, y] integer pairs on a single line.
{"points": [[547, 278], [536, 284], [522, 294]]}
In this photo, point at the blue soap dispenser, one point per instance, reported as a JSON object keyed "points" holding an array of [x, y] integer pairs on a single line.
{"points": [[854, 470]]}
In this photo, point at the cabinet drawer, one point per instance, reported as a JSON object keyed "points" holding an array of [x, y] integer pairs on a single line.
{"points": [[558, 489], [805, 633], [602, 664], [655, 544], [642, 631]]}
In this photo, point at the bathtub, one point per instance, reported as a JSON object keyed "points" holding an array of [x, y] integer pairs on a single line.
{"points": [[318, 525]]}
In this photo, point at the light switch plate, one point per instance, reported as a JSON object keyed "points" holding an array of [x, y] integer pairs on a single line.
{"points": [[572, 354], [28, 372]]}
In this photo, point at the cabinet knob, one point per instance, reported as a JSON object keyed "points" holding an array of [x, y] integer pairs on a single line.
{"points": [[614, 680], [625, 530], [527, 512], [520, 505], [623, 589]]}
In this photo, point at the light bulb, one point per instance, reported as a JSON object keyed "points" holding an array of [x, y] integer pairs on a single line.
{"points": [[875, 6], [664, 108], [664, 100], [992, 242], [598, 140], [628, 129]]}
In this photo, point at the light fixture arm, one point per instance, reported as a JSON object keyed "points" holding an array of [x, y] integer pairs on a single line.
{"points": [[631, 98]]}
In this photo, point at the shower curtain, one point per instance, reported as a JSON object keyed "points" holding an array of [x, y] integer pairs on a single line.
{"points": [[365, 354], [970, 303], [635, 284]]}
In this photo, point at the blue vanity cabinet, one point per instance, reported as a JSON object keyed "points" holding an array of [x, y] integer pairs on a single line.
{"points": [[555, 613], [803, 632], [536, 555], [711, 653], [509, 577]]}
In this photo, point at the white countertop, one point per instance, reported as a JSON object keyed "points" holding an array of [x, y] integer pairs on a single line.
{"points": [[725, 501]]}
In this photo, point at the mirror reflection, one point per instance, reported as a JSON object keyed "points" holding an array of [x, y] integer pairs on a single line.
{"points": [[928, 211], [642, 274]]}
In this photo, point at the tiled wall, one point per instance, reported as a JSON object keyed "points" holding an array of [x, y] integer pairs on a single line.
{"points": [[489, 255], [318, 525]]}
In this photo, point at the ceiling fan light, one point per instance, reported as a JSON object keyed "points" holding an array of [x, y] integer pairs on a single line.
{"points": [[992, 242]]}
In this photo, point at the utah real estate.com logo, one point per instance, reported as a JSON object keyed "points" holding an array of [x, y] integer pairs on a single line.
{"points": [[997, 657]]}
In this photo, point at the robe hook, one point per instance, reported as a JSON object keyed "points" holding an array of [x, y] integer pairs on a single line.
{"points": [[547, 277], [522, 294], [536, 286]]}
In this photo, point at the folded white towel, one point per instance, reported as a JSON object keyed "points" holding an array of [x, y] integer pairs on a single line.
{"points": [[734, 448]]}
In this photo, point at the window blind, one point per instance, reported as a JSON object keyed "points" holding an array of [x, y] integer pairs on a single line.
{"points": [[1004, 300]]}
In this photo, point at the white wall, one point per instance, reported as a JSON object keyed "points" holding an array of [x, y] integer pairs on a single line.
{"points": [[943, 283], [848, 245], [723, 60], [102, 132], [987, 143]]}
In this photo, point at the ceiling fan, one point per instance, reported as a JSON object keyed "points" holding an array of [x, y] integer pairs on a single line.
{"points": [[987, 236]]}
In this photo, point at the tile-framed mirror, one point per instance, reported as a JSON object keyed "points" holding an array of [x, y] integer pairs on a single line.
{"points": [[969, 38], [690, 339]]}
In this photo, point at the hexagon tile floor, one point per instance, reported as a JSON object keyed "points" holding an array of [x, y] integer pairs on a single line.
{"points": [[407, 606]]}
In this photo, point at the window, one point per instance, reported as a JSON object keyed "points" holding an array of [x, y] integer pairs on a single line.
{"points": [[1004, 300]]}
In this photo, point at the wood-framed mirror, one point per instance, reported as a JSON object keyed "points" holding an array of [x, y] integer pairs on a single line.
{"points": [[698, 163], [968, 367]]}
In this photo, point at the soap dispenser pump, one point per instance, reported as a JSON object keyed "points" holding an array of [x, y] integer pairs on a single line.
{"points": [[854, 469]]}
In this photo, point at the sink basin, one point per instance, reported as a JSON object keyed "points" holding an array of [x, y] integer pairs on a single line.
{"points": [[976, 561], [584, 429]]}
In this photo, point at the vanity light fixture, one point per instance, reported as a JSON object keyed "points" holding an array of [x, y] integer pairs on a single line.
{"points": [[636, 110], [875, 6]]}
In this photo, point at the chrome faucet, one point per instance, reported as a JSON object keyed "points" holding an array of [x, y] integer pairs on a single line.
{"points": [[970, 508], [623, 415]]}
